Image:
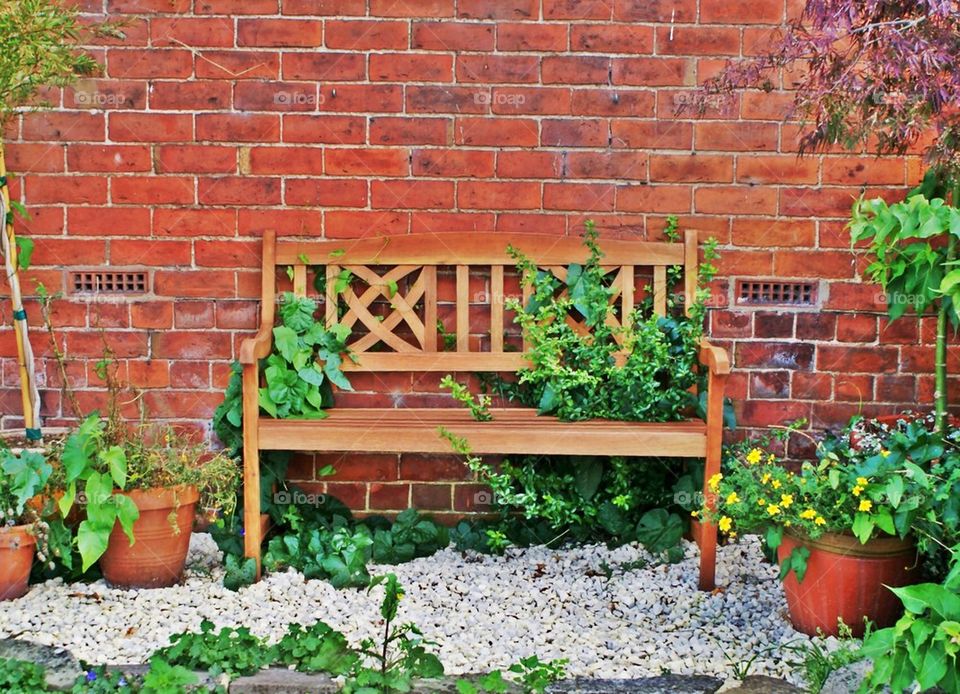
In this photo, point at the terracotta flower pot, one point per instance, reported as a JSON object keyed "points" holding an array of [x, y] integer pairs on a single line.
{"points": [[161, 539], [17, 547], [847, 580]]}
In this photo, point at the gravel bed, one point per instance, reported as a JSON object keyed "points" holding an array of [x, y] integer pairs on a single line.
{"points": [[483, 612]]}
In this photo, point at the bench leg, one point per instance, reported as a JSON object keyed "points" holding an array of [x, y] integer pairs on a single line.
{"points": [[252, 526], [708, 531]]}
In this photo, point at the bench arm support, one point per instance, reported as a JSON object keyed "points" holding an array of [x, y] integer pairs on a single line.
{"points": [[255, 348], [714, 358], [718, 368]]}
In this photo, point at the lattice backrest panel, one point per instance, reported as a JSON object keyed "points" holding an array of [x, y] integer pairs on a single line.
{"points": [[393, 291]]}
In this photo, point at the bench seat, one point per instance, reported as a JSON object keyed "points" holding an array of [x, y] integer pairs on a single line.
{"points": [[513, 431]]}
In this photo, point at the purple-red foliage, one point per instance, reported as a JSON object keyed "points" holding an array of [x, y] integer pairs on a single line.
{"points": [[876, 73]]}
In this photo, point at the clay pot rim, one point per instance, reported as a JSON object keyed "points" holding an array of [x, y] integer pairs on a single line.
{"points": [[16, 534], [848, 545], [162, 498]]}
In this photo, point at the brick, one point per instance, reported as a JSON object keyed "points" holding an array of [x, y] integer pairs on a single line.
{"points": [[361, 35], [581, 132], [388, 98], [411, 194], [200, 284], [497, 68], [496, 132], [735, 11], [761, 105], [192, 31], [857, 171], [411, 8], [394, 497], [66, 189], [658, 11], [529, 100], [735, 137], [578, 69], [765, 413], [194, 222], [108, 221], [653, 72], [736, 200], [816, 326], [74, 126], [773, 232], [904, 331], [190, 374], [531, 37], [341, 225], [529, 164], [238, 65], [192, 315], [286, 222], [613, 165], [773, 325], [453, 163], [325, 7], [40, 158], [694, 168], [237, 315], [653, 134], [611, 38], [852, 327], [231, 7], [816, 202], [579, 196], [108, 158], [577, 9], [326, 193], [276, 96], [774, 355], [432, 497], [150, 373], [826, 264], [226, 254], [149, 63], [497, 196], [504, 9], [685, 40], [776, 169], [238, 190], [156, 190], [411, 67], [324, 66], [849, 388], [231, 127], [366, 162], [856, 297], [150, 252], [436, 99], [770, 384], [147, 6], [279, 33], [318, 129], [196, 159], [106, 94], [654, 198], [410, 131], [896, 388], [438, 222], [857, 359], [286, 160], [811, 386], [206, 95], [451, 36], [150, 127], [152, 314]]}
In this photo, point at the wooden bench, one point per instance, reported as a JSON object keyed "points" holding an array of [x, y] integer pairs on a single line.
{"points": [[405, 278]]}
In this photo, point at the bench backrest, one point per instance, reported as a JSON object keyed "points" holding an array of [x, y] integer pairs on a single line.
{"points": [[398, 282]]}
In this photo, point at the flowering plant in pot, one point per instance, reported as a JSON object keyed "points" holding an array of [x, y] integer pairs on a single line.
{"points": [[23, 476], [842, 526], [139, 488]]}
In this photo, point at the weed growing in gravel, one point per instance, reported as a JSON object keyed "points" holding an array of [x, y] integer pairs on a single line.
{"points": [[817, 662], [18, 676]]}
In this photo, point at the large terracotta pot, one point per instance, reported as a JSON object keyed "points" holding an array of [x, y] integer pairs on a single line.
{"points": [[847, 580], [161, 540], [17, 547]]}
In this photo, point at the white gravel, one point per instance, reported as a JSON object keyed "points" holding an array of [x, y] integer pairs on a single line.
{"points": [[483, 612]]}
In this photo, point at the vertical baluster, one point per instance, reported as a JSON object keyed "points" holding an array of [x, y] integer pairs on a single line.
{"points": [[660, 290], [333, 271], [626, 295], [463, 308], [429, 308], [300, 281], [496, 308]]}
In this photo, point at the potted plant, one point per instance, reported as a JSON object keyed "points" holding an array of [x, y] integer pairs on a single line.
{"points": [[23, 476], [845, 527], [139, 489]]}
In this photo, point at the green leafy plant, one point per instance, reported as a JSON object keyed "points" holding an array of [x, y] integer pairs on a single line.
{"points": [[923, 646], [394, 662], [818, 661], [317, 648], [479, 405], [304, 365], [234, 651], [21, 677], [914, 244], [164, 678]]}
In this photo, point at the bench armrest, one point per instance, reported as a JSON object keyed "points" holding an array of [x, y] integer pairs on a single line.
{"points": [[257, 347], [714, 358]]}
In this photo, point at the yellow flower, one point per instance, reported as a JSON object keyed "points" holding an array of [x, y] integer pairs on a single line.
{"points": [[714, 481], [885, 453], [820, 520], [865, 505], [771, 458], [773, 509], [731, 535], [761, 502], [856, 490], [862, 481], [786, 500], [725, 524], [765, 478], [694, 513], [808, 514], [787, 524], [732, 498], [754, 456], [776, 484]]}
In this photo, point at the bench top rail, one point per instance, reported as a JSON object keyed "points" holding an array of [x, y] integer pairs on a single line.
{"points": [[400, 287]]}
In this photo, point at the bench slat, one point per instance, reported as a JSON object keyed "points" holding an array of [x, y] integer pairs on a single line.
{"points": [[512, 431]]}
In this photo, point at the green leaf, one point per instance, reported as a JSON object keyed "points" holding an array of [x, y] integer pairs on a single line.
{"points": [[774, 536], [392, 288], [127, 514], [589, 472], [659, 530], [894, 489], [286, 341], [92, 542], [24, 252], [116, 460], [863, 525], [796, 561]]}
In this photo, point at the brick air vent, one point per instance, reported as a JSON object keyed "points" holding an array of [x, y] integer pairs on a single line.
{"points": [[109, 282], [776, 293]]}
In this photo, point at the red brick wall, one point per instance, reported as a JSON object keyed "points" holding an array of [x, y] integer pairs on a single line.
{"points": [[218, 118]]}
